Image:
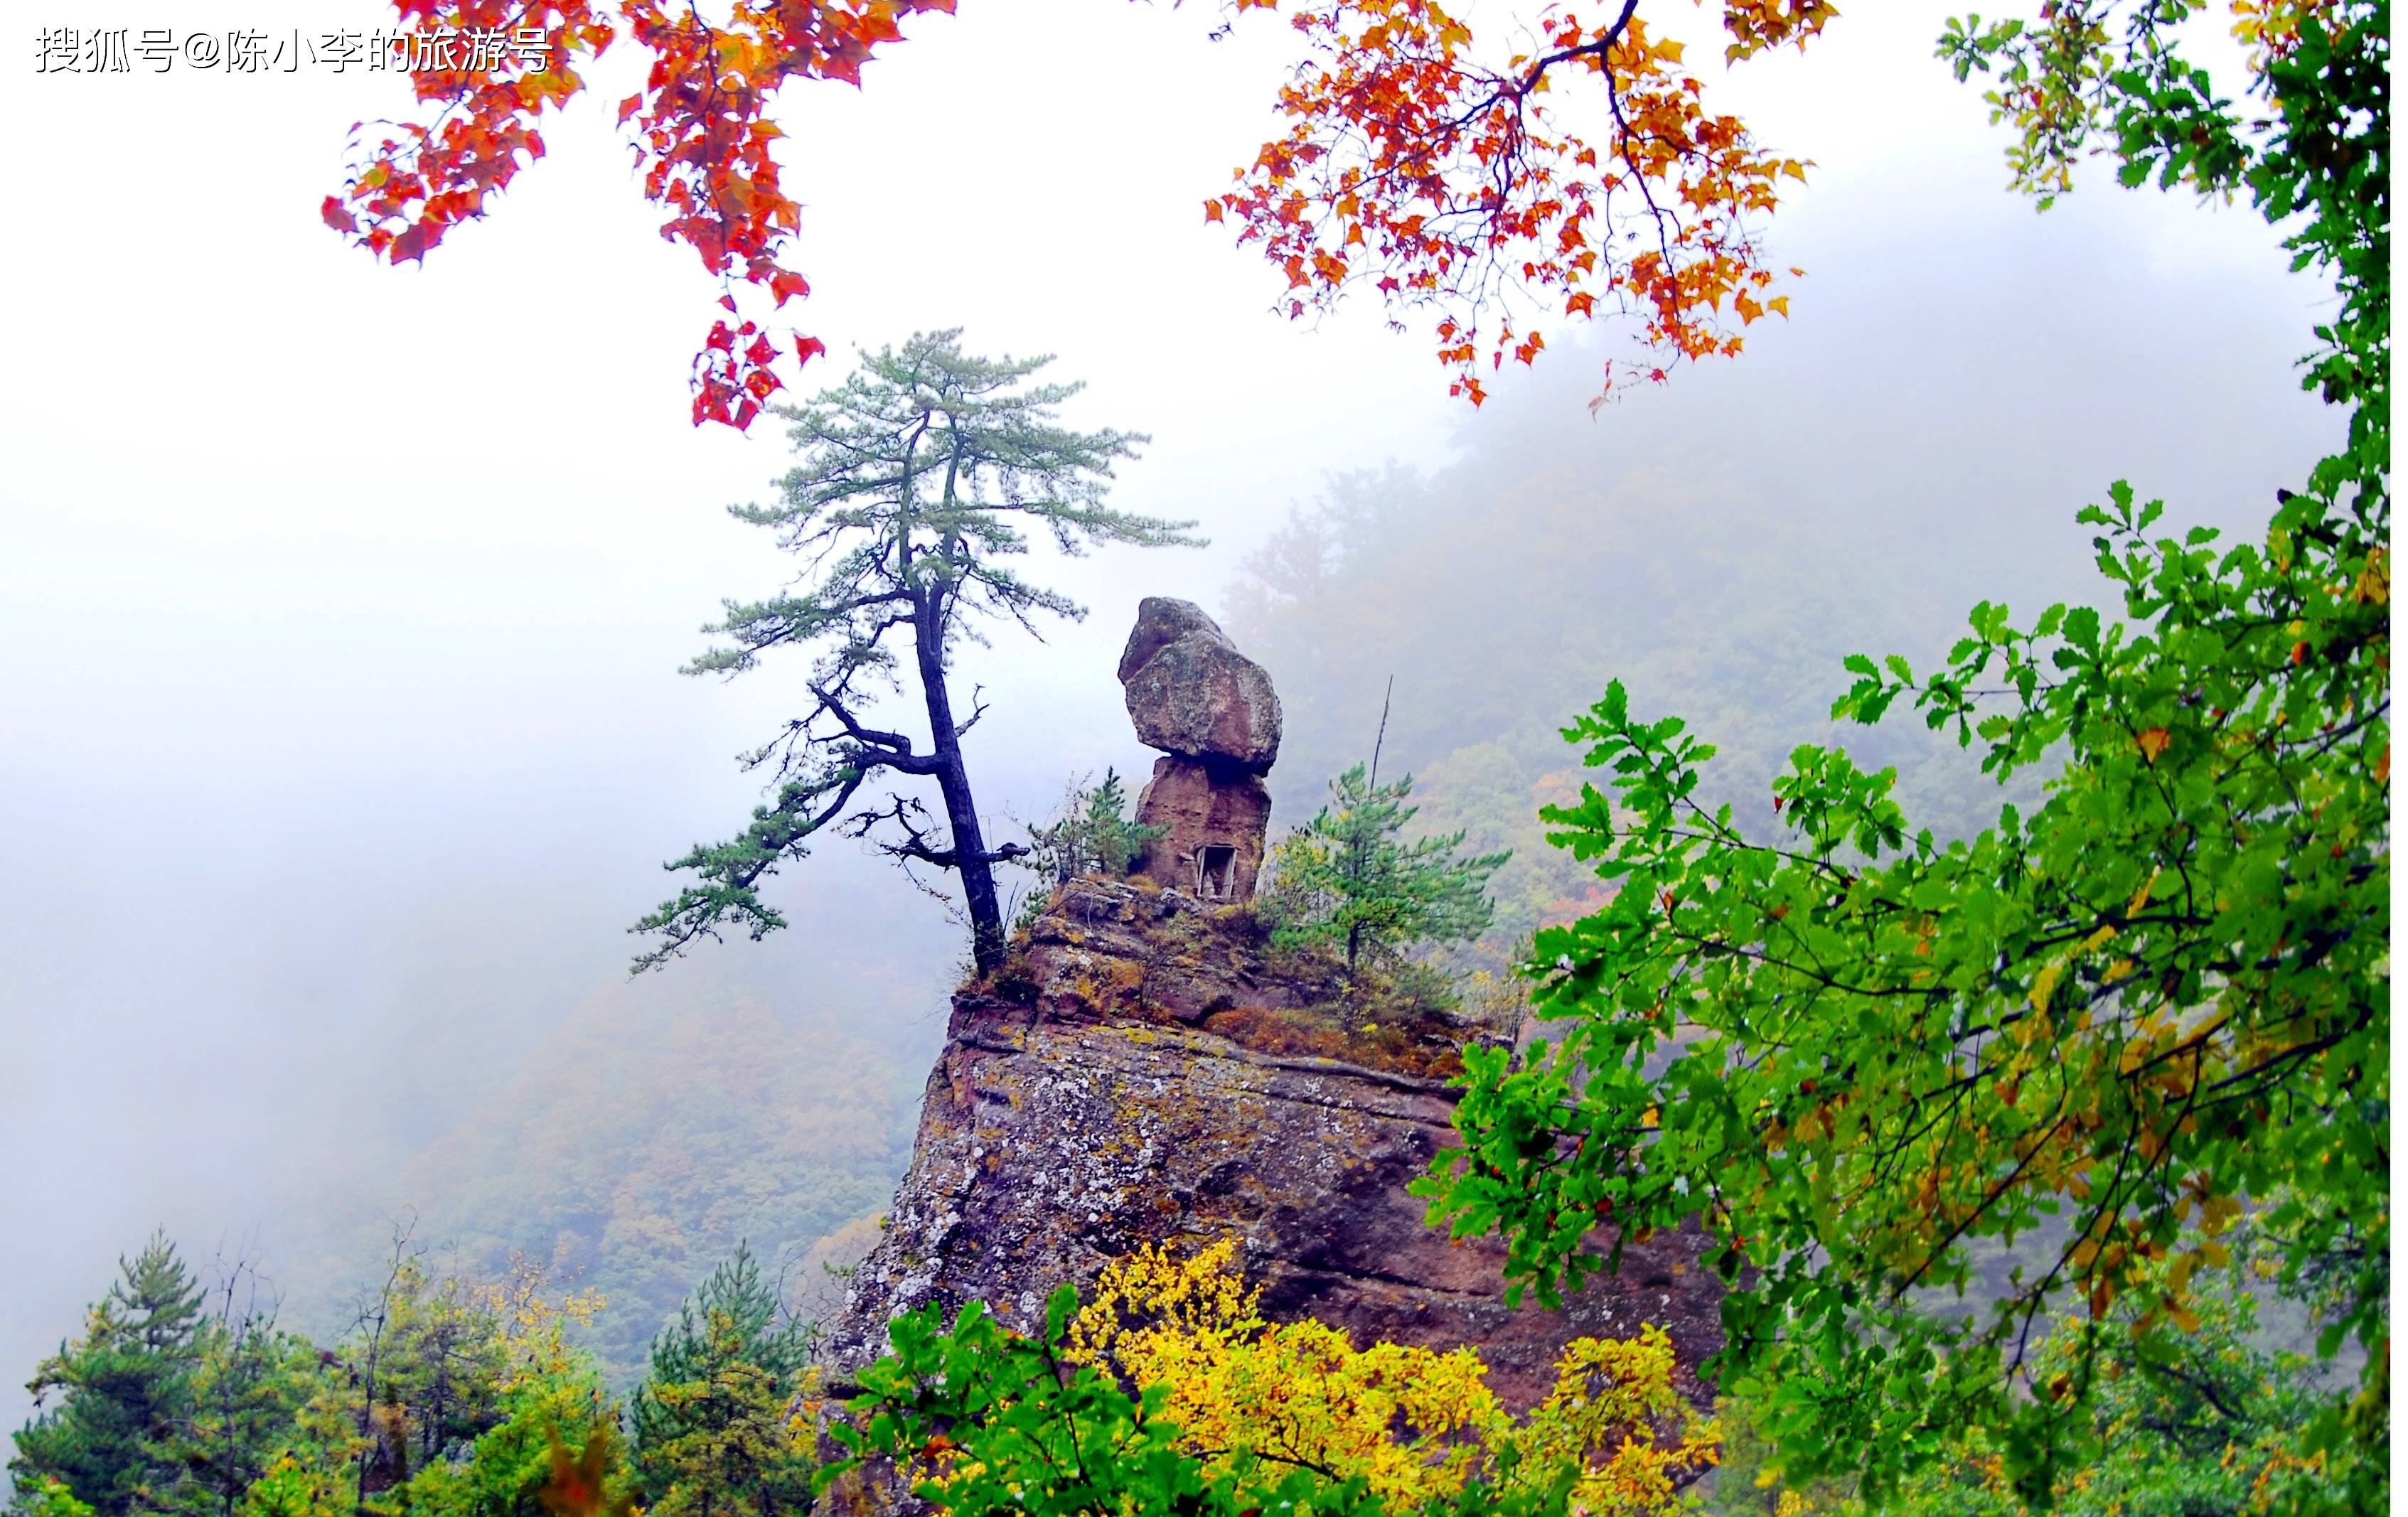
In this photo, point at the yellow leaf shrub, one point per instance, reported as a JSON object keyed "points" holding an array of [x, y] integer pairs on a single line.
{"points": [[1415, 1423]]}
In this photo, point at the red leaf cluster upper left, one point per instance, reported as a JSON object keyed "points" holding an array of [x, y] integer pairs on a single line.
{"points": [[699, 125]]}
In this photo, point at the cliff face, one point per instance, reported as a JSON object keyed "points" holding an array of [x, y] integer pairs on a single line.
{"points": [[1148, 1071]]}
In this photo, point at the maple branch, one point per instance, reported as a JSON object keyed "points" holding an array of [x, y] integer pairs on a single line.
{"points": [[1596, 47], [1508, 90], [1630, 161]]}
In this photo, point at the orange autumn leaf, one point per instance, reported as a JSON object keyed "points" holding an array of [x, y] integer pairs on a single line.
{"points": [[579, 1485], [2152, 743]]}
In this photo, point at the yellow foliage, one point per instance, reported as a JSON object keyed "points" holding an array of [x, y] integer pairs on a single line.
{"points": [[1414, 1423], [1611, 1397], [2043, 987], [535, 1324]]}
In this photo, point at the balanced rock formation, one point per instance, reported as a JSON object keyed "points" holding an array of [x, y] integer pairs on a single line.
{"points": [[1191, 692], [1147, 1070], [1214, 714]]}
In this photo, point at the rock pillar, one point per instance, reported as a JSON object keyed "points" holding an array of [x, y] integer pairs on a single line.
{"points": [[1214, 714]]}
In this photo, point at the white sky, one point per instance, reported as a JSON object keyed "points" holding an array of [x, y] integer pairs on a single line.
{"points": [[320, 577]]}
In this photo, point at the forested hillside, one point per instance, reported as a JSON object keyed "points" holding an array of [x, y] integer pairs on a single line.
{"points": [[1503, 593], [635, 1151]]}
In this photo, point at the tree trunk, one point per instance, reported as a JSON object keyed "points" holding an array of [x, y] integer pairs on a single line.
{"points": [[961, 810], [367, 1420], [367, 1393]]}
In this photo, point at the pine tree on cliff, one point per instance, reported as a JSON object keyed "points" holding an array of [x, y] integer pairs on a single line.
{"points": [[1348, 879], [113, 1439], [921, 477]]}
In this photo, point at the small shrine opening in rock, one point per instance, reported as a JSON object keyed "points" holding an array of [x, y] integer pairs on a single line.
{"points": [[1213, 713], [1214, 873]]}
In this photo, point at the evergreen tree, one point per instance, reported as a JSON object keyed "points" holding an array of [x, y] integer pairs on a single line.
{"points": [[736, 1445], [522, 1465], [114, 1438], [47, 1498], [251, 1381], [731, 1352], [439, 1372], [923, 475], [487, 1397], [1091, 835], [1348, 876]]}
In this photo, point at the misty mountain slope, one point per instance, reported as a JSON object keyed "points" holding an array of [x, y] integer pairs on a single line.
{"points": [[637, 1151], [1720, 552], [1504, 607], [641, 1140]]}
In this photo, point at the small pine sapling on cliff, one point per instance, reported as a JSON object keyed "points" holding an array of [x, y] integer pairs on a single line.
{"points": [[1091, 835], [1348, 879]]}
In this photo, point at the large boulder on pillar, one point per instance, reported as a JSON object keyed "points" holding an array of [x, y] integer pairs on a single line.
{"points": [[1160, 621], [1191, 694], [1214, 714]]}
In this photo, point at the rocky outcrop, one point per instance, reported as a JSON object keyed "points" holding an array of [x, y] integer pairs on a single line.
{"points": [[1192, 694], [1212, 712], [1147, 1070]]}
